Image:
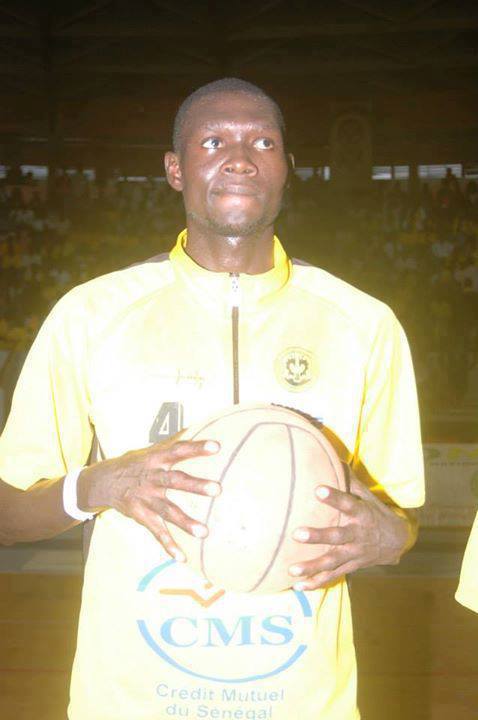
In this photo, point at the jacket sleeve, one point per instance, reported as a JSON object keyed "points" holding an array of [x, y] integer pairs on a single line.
{"points": [[48, 430], [388, 454]]}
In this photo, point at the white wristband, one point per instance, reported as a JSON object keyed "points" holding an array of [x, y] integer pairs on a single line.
{"points": [[70, 498]]}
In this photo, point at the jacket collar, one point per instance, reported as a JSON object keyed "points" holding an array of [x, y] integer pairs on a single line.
{"points": [[215, 288]]}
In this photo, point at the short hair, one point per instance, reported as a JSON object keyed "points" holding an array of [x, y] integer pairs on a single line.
{"points": [[225, 85]]}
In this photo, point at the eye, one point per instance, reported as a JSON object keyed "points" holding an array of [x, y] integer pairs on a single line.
{"points": [[263, 143], [212, 143]]}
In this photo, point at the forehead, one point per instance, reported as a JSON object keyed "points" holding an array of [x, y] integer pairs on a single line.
{"points": [[230, 109]]}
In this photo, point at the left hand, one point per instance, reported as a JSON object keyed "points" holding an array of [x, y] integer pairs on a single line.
{"points": [[371, 533]]}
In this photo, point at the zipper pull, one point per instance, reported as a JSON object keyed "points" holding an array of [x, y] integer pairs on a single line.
{"points": [[235, 291]]}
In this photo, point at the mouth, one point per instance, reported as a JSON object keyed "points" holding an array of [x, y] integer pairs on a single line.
{"points": [[236, 189]]}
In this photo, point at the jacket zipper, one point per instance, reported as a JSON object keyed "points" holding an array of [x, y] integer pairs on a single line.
{"points": [[235, 300]]}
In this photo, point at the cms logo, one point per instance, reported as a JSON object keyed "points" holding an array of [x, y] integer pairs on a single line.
{"points": [[198, 630], [213, 632]]}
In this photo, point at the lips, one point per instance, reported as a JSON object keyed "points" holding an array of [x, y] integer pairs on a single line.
{"points": [[236, 189]]}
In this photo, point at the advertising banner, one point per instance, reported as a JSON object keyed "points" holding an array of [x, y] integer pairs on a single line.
{"points": [[451, 471]]}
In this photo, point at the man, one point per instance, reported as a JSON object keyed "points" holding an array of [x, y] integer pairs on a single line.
{"points": [[467, 592], [133, 357]]}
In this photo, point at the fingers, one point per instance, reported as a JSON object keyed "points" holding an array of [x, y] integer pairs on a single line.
{"points": [[362, 491], [173, 514], [156, 525], [141, 479], [328, 561], [324, 536], [185, 449], [342, 501], [326, 577], [163, 535], [178, 480], [155, 515], [366, 535]]}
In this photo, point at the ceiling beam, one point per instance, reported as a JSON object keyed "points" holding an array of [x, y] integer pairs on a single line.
{"points": [[79, 90], [111, 30], [271, 32], [296, 67], [80, 14], [372, 11], [193, 55], [421, 8], [175, 8], [20, 17], [88, 49], [139, 68], [289, 66], [259, 9], [238, 61], [266, 32]]}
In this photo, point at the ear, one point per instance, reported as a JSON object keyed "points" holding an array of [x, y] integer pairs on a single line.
{"points": [[290, 168], [173, 171]]}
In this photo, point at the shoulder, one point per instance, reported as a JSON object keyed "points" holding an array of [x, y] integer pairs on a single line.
{"points": [[130, 283], [341, 301], [95, 303], [122, 287]]}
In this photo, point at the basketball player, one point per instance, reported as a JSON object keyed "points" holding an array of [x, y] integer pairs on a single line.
{"points": [[125, 361], [467, 593]]}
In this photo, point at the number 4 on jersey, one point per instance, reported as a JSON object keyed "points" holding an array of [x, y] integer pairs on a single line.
{"points": [[168, 422]]}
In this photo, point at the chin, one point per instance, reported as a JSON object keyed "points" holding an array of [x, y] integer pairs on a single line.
{"points": [[234, 225], [238, 226], [230, 227], [238, 229]]}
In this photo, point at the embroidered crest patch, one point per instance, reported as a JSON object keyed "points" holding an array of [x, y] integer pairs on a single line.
{"points": [[296, 369]]}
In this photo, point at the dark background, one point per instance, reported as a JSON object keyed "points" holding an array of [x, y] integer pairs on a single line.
{"points": [[381, 102], [89, 93]]}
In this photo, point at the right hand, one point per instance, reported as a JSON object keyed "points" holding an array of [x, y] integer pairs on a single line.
{"points": [[136, 485]]}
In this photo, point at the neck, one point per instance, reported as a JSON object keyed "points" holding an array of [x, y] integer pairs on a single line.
{"points": [[251, 254]]}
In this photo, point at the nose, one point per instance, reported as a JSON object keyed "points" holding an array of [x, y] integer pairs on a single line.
{"points": [[239, 161]]}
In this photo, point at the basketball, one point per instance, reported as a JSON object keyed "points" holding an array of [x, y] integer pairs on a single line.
{"points": [[270, 462]]}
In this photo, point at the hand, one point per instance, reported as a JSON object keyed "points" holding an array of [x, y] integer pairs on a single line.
{"points": [[136, 485], [371, 533]]}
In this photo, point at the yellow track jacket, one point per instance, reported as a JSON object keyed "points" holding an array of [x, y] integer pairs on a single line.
{"points": [[136, 355]]}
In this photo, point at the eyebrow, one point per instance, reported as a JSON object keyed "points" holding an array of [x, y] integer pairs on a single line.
{"points": [[220, 124]]}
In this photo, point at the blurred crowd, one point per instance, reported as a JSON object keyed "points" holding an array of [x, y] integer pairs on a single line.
{"points": [[83, 230], [416, 248]]}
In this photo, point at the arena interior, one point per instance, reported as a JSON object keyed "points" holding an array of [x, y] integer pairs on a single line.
{"points": [[381, 103]]}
